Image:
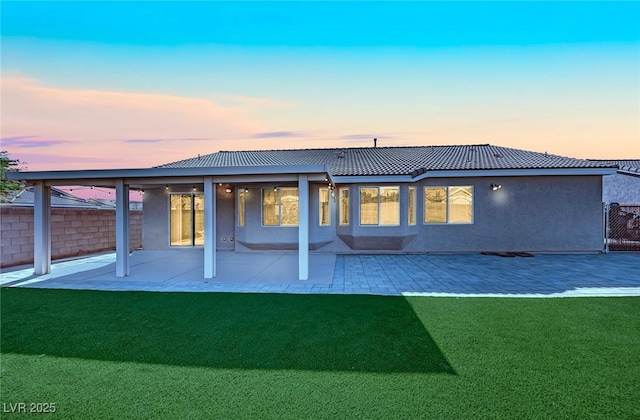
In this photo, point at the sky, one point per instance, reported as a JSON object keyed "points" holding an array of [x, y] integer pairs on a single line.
{"points": [[99, 85]]}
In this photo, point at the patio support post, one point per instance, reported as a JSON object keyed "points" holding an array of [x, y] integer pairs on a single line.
{"points": [[209, 228], [303, 227], [122, 228], [42, 229]]}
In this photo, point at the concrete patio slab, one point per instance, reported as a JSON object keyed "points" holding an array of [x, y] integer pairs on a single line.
{"points": [[180, 271], [469, 275]]}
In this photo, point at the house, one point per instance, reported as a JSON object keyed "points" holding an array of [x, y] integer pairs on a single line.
{"points": [[621, 193], [375, 199], [623, 187]]}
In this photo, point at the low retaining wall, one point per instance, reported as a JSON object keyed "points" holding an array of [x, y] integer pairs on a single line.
{"points": [[73, 232]]}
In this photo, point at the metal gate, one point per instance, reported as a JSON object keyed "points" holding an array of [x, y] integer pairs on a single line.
{"points": [[622, 230]]}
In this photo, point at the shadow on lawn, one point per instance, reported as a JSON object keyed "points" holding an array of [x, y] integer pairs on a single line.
{"points": [[222, 330]]}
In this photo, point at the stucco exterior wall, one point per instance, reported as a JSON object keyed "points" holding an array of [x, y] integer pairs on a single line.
{"points": [[255, 236], [225, 211], [73, 232], [621, 189], [156, 216], [155, 219], [534, 214]]}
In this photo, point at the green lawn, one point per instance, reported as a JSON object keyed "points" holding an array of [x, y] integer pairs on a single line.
{"points": [[221, 355]]}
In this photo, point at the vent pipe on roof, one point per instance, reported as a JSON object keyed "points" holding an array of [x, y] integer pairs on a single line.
{"points": [[375, 142]]}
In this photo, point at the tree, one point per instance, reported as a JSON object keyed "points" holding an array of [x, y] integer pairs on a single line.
{"points": [[8, 165]]}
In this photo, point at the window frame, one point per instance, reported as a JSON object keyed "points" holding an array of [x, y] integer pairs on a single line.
{"points": [[279, 206], [411, 193], [320, 202], [378, 187], [192, 196], [341, 213], [447, 208], [242, 207]]}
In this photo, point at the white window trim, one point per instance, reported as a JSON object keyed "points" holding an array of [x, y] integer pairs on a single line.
{"points": [[447, 222], [279, 225], [192, 194], [241, 192], [340, 192], [328, 224], [360, 205], [415, 206]]}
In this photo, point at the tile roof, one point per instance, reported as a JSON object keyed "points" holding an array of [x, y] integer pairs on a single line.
{"points": [[632, 165], [393, 160]]}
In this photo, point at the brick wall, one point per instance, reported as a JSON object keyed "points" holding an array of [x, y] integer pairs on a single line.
{"points": [[73, 232]]}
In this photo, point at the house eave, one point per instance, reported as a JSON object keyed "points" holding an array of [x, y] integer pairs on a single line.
{"points": [[466, 173], [630, 172], [107, 177], [516, 172]]}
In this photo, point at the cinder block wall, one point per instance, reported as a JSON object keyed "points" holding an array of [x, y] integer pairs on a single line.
{"points": [[73, 232]]}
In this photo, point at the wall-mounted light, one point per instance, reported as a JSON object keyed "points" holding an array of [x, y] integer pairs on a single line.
{"points": [[194, 188], [228, 190], [246, 190], [166, 187], [275, 188], [495, 187]]}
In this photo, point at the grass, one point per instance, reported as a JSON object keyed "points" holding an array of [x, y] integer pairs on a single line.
{"points": [[198, 355]]}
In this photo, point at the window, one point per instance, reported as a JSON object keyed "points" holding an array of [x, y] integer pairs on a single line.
{"points": [[270, 208], [280, 207], [242, 196], [344, 206], [186, 219], [448, 204], [460, 205], [380, 206], [324, 216], [412, 206], [435, 205]]}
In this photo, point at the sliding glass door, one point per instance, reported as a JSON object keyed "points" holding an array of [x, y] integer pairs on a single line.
{"points": [[186, 219]]}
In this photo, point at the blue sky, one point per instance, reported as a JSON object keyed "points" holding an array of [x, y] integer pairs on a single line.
{"points": [[335, 24], [124, 84]]}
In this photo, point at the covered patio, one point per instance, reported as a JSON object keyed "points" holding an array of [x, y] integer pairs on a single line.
{"points": [[198, 179]]}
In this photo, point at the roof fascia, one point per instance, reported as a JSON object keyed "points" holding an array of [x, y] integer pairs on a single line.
{"points": [[366, 179], [629, 173], [515, 172], [469, 173], [86, 176]]}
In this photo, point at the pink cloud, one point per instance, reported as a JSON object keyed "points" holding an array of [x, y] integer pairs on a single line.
{"points": [[94, 123]]}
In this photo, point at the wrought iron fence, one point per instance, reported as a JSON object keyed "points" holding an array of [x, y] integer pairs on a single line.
{"points": [[623, 227]]}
